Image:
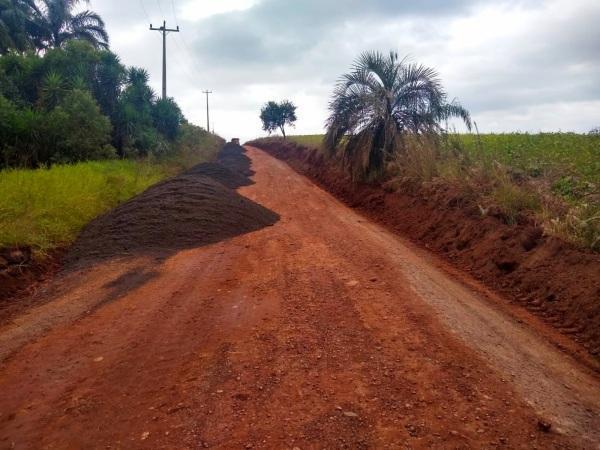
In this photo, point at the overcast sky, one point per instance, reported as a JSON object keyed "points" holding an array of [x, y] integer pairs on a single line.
{"points": [[525, 65]]}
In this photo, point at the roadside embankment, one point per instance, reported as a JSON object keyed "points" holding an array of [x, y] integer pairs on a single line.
{"points": [[550, 277]]}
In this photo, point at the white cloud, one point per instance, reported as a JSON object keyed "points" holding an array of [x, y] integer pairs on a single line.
{"points": [[200, 9]]}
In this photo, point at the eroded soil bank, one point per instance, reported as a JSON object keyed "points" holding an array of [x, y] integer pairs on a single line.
{"points": [[546, 275]]}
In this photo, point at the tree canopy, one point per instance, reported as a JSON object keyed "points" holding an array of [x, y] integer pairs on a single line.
{"points": [[77, 102], [276, 116], [43, 24]]}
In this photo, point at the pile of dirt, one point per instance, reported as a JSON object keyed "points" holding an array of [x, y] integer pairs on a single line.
{"points": [[193, 209], [227, 177], [232, 157], [550, 277]]}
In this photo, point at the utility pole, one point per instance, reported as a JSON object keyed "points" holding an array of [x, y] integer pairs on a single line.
{"points": [[164, 30], [207, 115]]}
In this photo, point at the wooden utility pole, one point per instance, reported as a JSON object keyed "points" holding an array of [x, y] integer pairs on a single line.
{"points": [[207, 114], [164, 30]]}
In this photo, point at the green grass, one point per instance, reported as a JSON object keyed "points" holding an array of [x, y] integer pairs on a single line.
{"points": [[556, 166], [309, 140], [46, 208]]}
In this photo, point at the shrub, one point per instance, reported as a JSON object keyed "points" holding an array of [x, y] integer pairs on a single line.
{"points": [[581, 224], [167, 117], [81, 131], [514, 200]]}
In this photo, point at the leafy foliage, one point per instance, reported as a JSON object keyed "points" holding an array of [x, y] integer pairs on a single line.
{"points": [[75, 103], [44, 24], [378, 103], [275, 116], [167, 117], [17, 24]]}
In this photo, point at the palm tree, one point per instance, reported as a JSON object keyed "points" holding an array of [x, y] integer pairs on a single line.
{"points": [[17, 24], [379, 104], [59, 24]]}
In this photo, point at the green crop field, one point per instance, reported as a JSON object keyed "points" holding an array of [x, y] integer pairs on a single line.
{"points": [[555, 154]]}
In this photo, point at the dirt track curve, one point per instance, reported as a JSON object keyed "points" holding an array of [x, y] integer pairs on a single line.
{"points": [[321, 331]]}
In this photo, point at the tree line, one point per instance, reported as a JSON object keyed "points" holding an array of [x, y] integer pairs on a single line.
{"points": [[65, 97]]}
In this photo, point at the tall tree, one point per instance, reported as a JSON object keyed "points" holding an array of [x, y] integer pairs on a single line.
{"points": [[58, 24], [381, 101]]}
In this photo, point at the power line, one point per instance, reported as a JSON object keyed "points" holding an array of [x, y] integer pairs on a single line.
{"points": [[160, 8], [186, 68], [190, 54], [145, 11]]}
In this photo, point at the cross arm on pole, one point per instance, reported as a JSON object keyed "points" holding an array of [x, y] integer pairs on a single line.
{"points": [[164, 28]]}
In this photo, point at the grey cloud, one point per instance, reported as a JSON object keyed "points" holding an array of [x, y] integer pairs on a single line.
{"points": [[277, 31], [298, 49]]}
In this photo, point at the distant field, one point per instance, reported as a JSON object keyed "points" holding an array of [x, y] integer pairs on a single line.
{"points": [[554, 154], [310, 140]]}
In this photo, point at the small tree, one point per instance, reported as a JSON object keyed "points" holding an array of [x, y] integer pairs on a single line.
{"points": [[277, 115]]}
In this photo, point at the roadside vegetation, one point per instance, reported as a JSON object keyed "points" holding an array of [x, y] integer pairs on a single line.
{"points": [[79, 131], [65, 97], [388, 123], [46, 208], [381, 107], [553, 177]]}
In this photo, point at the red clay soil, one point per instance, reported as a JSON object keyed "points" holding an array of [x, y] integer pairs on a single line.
{"points": [[322, 331], [546, 275], [21, 275]]}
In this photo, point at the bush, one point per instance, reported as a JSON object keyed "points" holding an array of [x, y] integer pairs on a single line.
{"points": [[167, 117], [82, 131], [60, 106], [75, 130]]}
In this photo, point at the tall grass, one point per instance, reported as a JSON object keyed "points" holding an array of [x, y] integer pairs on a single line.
{"points": [[46, 208], [552, 176]]}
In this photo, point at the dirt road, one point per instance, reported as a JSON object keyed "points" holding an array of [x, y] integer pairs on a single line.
{"points": [[321, 331]]}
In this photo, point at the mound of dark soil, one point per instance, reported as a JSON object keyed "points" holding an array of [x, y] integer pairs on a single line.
{"points": [[550, 277], [194, 209], [235, 160], [218, 172]]}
